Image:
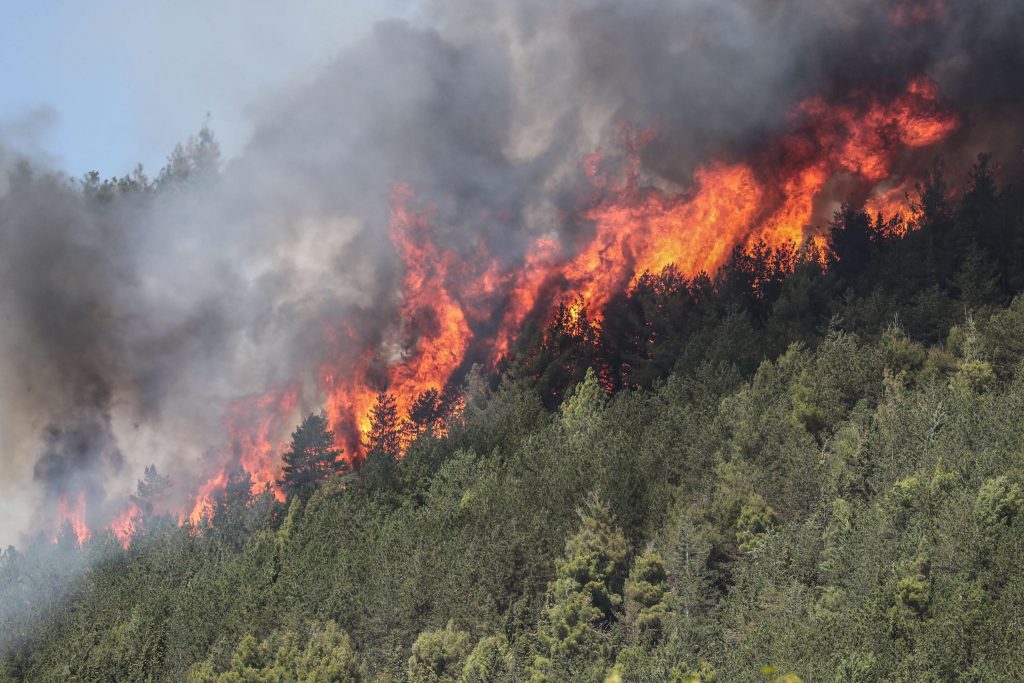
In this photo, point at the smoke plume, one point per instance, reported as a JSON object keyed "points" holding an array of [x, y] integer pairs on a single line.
{"points": [[190, 325]]}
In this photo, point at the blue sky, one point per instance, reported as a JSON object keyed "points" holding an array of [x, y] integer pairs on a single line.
{"points": [[105, 84]]}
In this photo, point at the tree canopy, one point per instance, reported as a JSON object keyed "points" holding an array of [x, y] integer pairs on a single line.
{"points": [[804, 467]]}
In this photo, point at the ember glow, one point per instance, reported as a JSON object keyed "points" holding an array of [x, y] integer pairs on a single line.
{"points": [[913, 12], [253, 424], [204, 505], [435, 333]]}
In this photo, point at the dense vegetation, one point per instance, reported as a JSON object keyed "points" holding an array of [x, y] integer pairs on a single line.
{"points": [[787, 468]]}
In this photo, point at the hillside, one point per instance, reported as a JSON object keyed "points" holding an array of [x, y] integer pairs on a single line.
{"points": [[810, 462]]}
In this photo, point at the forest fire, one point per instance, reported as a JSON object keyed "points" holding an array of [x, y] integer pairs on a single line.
{"points": [[253, 425], [636, 229], [366, 328], [125, 525], [457, 306], [71, 513], [893, 203]]}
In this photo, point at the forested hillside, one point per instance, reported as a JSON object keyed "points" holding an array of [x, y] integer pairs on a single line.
{"points": [[809, 465]]}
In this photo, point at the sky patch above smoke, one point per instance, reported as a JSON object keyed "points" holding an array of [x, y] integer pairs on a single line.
{"points": [[108, 84]]}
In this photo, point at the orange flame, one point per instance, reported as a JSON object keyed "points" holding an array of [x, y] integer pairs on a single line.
{"points": [[539, 265], [772, 199], [458, 304], [254, 425], [125, 525], [434, 336], [73, 513], [893, 203], [434, 318], [205, 500], [635, 229], [641, 231]]}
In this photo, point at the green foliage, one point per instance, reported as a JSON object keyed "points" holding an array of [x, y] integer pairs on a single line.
{"points": [[490, 660], [324, 655], [647, 597], [439, 656], [754, 521], [595, 560], [385, 436], [827, 458], [581, 412], [311, 458], [150, 491], [999, 503], [194, 162], [1002, 338], [584, 598], [913, 591]]}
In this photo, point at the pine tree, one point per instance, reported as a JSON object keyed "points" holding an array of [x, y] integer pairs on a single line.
{"points": [[150, 488], [426, 412], [312, 456], [439, 656], [231, 517], [383, 444], [236, 494], [385, 435], [646, 598], [583, 599]]}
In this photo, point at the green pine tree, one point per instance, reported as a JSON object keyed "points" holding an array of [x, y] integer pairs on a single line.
{"points": [[583, 600], [311, 458]]}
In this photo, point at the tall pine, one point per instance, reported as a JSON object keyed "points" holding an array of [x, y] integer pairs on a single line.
{"points": [[385, 435], [383, 444], [311, 458]]}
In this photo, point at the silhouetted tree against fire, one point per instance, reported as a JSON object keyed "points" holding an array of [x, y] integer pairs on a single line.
{"points": [[933, 218], [978, 208], [426, 412], [850, 239], [383, 443], [385, 435], [230, 508], [645, 327], [311, 458], [236, 494], [800, 309], [569, 347]]}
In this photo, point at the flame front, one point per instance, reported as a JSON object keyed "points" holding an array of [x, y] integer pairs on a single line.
{"points": [[449, 302], [434, 321], [125, 525], [71, 513], [457, 303]]}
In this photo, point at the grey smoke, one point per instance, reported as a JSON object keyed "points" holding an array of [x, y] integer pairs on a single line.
{"points": [[128, 325]]}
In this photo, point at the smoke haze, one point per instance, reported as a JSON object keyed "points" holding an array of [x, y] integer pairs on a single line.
{"points": [[131, 325]]}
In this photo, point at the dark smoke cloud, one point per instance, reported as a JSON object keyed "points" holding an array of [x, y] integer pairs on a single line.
{"points": [[128, 325]]}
